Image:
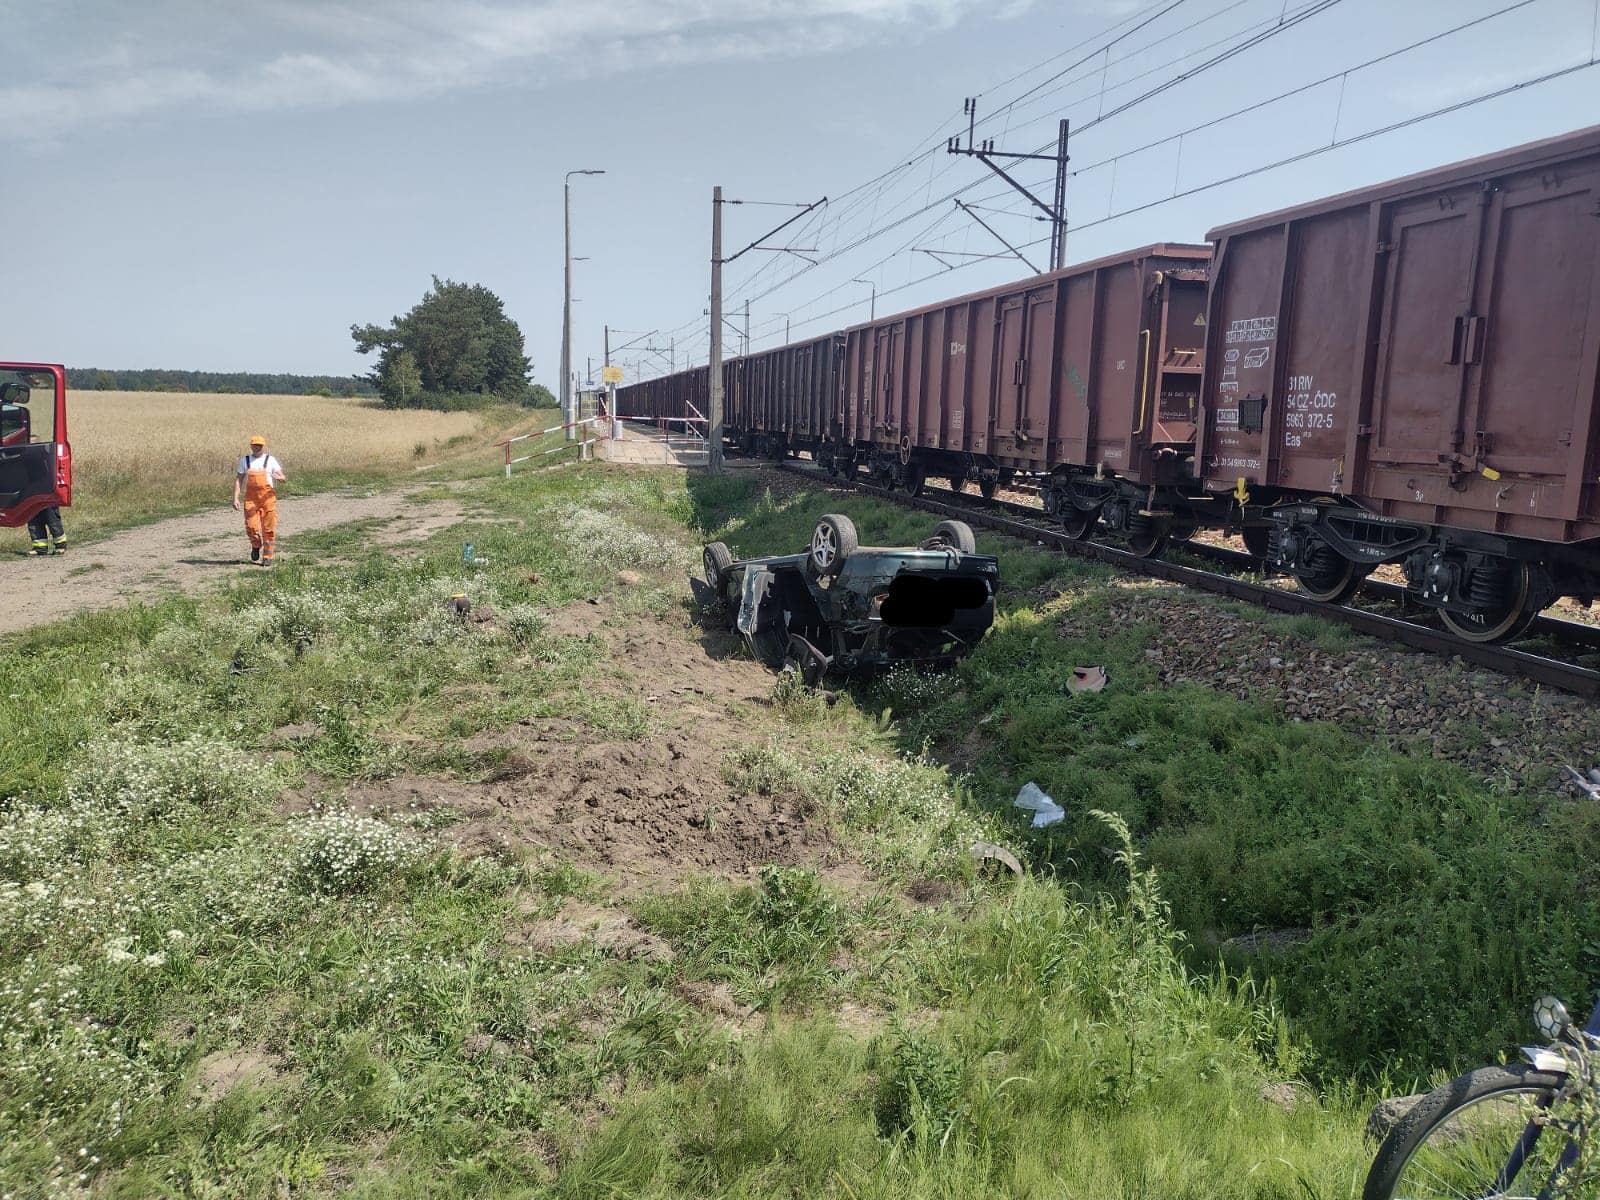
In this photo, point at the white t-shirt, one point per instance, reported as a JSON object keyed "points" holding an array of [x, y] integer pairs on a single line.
{"points": [[260, 462]]}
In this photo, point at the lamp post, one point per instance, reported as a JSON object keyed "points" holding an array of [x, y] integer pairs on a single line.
{"points": [[566, 304], [872, 313]]}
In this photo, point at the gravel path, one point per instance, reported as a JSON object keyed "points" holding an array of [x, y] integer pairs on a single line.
{"points": [[184, 553]]}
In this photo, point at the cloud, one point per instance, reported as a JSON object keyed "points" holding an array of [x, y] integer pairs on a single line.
{"points": [[231, 56]]}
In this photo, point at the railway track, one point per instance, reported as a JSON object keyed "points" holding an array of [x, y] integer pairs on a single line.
{"points": [[1019, 521]]}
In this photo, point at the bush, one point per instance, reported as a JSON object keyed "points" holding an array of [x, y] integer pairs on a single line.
{"points": [[123, 797], [793, 906], [922, 1092], [796, 699], [341, 854]]}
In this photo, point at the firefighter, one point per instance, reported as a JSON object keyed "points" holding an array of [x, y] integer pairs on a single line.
{"points": [[258, 476], [45, 526]]}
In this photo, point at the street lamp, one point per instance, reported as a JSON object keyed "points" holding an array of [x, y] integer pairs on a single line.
{"points": [[566, 305], [872, 314]]}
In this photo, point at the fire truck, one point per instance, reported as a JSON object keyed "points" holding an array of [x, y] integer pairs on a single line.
{"points": [[35, 456]]}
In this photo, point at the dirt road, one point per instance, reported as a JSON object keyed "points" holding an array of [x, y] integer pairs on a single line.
{"points": [[182, 554]]}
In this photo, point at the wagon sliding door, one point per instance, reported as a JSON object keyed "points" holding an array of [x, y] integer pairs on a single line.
{"points": [[1531, 352], [886, 413], [1432, 246], [1008, 395], [1027, 353]]}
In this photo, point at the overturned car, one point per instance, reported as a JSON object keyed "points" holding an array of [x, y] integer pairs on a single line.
{"points": [[840, 608]]}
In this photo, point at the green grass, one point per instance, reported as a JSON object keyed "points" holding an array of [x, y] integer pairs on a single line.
{"points": [[167, 921], [1439, 906]]}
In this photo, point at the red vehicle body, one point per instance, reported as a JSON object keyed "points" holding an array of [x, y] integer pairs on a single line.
{"points": [[1420, 359], [35, 455], [1406, 374]]}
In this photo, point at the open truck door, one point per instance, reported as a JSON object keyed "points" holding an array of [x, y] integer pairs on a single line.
{"points": [[35, 456]]}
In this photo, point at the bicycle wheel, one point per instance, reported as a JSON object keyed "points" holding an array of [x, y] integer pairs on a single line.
{"points": [[1493, 1134]]}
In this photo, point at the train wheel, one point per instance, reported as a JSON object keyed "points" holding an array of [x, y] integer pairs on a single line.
{"points": [[1078, 523], [957, 482], [986, 488], [1148, 542], [913, 477], [1257, 539], [1329, 577], [1500, 622]]}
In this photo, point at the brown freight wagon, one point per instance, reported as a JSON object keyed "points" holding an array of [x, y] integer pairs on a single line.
{"points": [[783, 399], [1086, 379], [1407, 373], [667, 396]]}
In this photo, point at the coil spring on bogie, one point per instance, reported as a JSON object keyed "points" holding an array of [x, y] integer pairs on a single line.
{"points": [[1318, 556], [1488, 585], [1138, 524]]}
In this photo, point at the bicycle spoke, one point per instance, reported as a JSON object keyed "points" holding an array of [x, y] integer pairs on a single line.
{"points": [[1499, 1147]]}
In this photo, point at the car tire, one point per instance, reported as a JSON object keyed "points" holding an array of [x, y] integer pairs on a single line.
{"points": [[955, 534], [717, 559], [832, 542]]}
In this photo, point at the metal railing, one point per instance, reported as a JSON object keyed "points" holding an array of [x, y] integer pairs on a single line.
{"points": [[582, 446], [691, 439]]}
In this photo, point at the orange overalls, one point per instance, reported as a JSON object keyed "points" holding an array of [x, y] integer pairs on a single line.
{"points": [[260, 505]]}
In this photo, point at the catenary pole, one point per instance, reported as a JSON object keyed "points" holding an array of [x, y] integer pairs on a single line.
{"points": [[566, 306], [714, 415], [566, 303]]}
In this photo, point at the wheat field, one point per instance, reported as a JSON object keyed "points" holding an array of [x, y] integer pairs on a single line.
{"points": [[138, 455]]}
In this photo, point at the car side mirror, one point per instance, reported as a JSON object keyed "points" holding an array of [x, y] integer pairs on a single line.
{"points": [[15, 425]]}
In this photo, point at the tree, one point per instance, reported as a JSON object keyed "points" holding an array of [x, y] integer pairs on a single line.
{"points": [[539, 396], [457, 342], [401, 383]]}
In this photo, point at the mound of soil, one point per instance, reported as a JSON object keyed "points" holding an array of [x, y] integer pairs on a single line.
{"points": [[649, 812], [645, 810]]}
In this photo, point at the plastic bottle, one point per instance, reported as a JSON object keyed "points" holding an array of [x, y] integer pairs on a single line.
{"points": [[467, 555]]}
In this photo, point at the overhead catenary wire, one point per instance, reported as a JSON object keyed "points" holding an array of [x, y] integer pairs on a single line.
{"points": [[1366, 135], [1334, 141], [927, 196], [861, 199], [1318, 6], [885, 178]]}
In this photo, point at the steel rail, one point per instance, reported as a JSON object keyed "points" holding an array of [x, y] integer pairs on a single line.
{"points": [[1548, 672], [1574, 633]]}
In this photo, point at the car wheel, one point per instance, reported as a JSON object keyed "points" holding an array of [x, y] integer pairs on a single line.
{"points": [[832, 541], [717, 560], [955, 534]]}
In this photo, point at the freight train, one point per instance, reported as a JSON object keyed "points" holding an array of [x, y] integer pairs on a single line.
{"points": [[1405, 374]]}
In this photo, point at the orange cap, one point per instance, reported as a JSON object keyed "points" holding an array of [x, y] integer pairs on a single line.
{"points": [[258, 440]]}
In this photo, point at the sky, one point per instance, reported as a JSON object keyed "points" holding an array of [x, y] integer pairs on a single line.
{"points": [[223, 185]]}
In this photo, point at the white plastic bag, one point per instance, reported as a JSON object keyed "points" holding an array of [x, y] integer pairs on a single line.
{"points": [[1045, 810]]}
